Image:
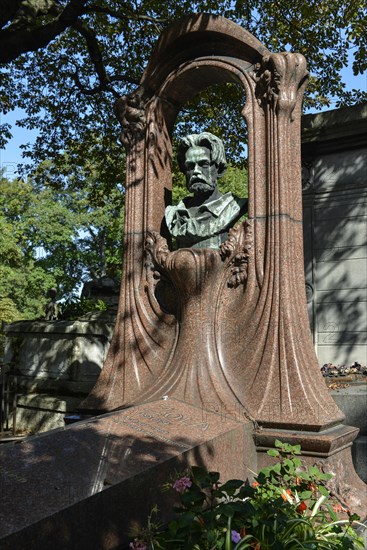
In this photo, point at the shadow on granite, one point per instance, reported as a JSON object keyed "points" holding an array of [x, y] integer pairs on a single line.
{"points": [[87, 485]]}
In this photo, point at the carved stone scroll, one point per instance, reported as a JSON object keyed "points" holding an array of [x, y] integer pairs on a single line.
{"points": [[130, 110]]}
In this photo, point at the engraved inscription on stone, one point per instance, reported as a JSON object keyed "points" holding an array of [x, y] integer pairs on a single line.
{"points": [[155, 432]]}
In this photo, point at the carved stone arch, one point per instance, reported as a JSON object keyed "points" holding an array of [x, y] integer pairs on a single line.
{"points": [[272, 354], [198, 36], [173, 94]]}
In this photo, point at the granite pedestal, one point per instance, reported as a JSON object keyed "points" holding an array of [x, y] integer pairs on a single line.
{"points": [[87, 485]]}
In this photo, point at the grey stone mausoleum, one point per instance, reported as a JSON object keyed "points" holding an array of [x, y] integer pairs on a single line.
{"points": [[334, 156]]}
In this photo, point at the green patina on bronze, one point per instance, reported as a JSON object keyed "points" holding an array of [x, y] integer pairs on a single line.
{"points": [[203, 220]]}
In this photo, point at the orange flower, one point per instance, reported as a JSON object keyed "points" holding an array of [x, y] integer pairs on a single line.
{"points": [[302, 506], [289, 492], [255, 484], [339, 508]]}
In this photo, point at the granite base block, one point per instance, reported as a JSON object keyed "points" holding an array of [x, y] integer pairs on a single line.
{"points": [[87, 485]]}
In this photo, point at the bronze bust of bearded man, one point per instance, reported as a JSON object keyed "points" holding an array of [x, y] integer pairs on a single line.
{"points": [[203, 220]]}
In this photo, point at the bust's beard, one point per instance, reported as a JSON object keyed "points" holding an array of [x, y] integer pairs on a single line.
{"points": [[200, 187]]}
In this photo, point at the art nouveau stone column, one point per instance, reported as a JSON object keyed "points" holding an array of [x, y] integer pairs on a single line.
{"points": [[284, 383], [142, 329]]}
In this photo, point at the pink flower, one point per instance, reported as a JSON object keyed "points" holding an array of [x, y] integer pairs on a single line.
{"points": [[138, 545], [180, 485], [235, 536]]}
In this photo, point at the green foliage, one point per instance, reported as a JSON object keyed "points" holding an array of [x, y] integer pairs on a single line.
{"points": [[218, 110], [288, 507], [75, 307], [23, 284], [234, 180], [55, 239], [8, 314], [8, 310]]}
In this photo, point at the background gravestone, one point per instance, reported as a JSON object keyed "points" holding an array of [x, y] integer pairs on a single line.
{"points": [[334, 157]]}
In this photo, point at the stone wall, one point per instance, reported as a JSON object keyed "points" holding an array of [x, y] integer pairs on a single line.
{"points": [[335, 232], [66, 356], [56, 364]]}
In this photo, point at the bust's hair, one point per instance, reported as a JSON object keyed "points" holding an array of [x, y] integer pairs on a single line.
{"points": [[208, 140]]}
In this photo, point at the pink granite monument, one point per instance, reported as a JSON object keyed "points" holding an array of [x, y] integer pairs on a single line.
{"points": [[212, 357], [235, 335]]}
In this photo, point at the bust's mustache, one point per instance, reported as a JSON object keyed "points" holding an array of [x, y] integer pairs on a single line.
{"points": [[200, 185]]}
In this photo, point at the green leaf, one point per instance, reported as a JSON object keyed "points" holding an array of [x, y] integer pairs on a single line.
{"points": [[289, 465], [277, 468], [214, 477], [296, 449], [322, 489], [186, 519], [304, 495], [325, 477], [273, 452], [231, 486], [202, 477], [333, 515], [263, 475], [314, 471]]}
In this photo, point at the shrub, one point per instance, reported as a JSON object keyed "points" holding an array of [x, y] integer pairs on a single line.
{"points": [[287, 507]]}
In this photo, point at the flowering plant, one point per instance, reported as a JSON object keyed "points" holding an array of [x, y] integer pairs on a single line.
{"points": [[287, 507]]}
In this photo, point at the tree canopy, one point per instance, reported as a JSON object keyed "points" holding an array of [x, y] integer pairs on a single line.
{"points": [[65, 61], [52, 239]]}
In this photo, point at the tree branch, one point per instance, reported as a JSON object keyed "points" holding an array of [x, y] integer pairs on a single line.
{"points": [[25, 34], [95, 54], [104, 86], [17, 40], [93, 49], [8, 11]]}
